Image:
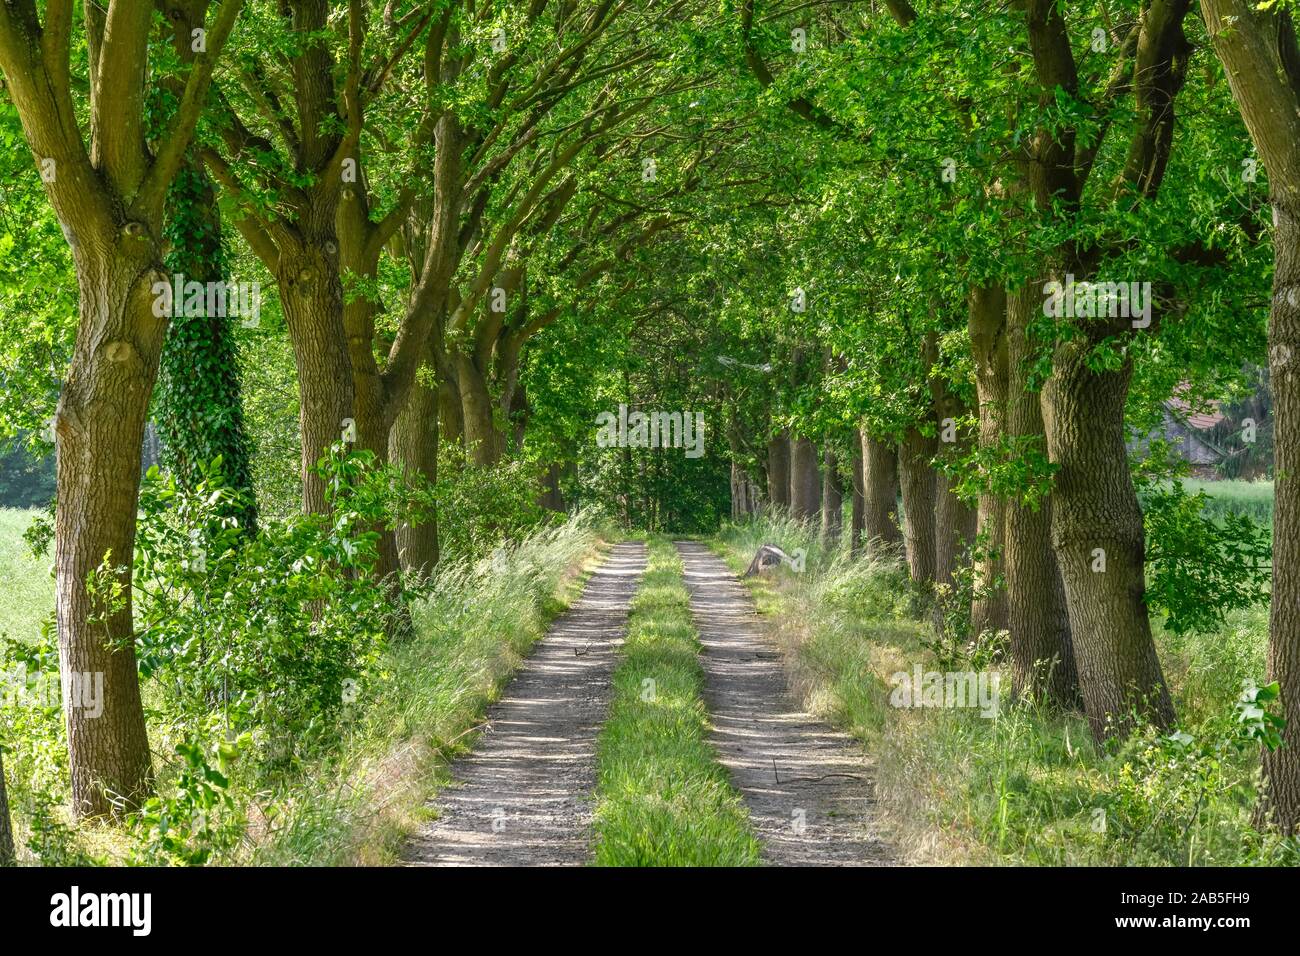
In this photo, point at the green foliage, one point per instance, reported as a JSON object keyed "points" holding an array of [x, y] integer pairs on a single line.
{"points": [[269, 633], [200, 415], [480, 508], [200, 820], [1202, 566]]}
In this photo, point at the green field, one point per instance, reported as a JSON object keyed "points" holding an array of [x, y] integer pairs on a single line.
{"points": [[27, 598]]}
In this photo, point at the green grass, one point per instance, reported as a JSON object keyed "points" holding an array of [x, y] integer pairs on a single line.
{"points": [[27, 597], [1252, 498], [1029, 786], [663, 799], [356, 805]]}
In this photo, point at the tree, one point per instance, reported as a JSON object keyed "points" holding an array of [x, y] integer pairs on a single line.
{"points": [[1262, 59], [109, 189]]}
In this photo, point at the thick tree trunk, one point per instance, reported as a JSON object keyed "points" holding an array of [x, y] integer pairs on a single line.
{"points": [[954, 530], [484, 444], [917, 481], [552, 499], [313, 310], [413, 446], [1260, 55], [1042, 655], [832, 500], [371, 408], [99, 432], [880, 493], [1099, 540], [778, 471], [988, 341], [858, 521], [805, 482]]}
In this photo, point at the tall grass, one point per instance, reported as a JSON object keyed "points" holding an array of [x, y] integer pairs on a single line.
{"points": [[663, 799], [1028, 786], [476, 625], [356, 805]]}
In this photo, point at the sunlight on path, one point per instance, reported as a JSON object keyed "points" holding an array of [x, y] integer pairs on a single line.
{"points": [[808, 788], [524, 796]]}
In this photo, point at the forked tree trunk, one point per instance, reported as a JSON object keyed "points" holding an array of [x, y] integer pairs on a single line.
{"points": [[778, 471], [1042, 655], [918, 488], [805, 482], [312, 297], [859, 506], [99, 432], [988, 342], [1260, 55], [880, 525], [832, 500], [1099, 540]]}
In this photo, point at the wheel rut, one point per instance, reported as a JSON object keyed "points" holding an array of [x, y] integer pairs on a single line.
{"points": [[524, 796], [809, 788]]}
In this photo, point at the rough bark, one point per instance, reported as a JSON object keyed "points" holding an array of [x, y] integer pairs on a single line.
{"points": [[805, 481], [778, 471], [1262, 60], [8, 856], [100, 428], [988, 342], [1100, 544], [312, 297], [413, 446], [858, 520], [1042, 655], [917, 481], [832, 500], [880, 493]]}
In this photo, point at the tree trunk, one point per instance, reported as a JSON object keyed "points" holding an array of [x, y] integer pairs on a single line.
{"points": [[1260, 55], [954, 530], [1042, 655], [858, 522], [832, 501], [987, 318], [312, 297], [918, 487], [99, 432], [805, 482], [552, 499], [484, 445], [413, 446], [1099, 540], [778, 471], [880, 493]]}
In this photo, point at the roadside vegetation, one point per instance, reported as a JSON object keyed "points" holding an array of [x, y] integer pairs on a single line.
{"points": [[1027, 786], [662, 797], [341, 778]]}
